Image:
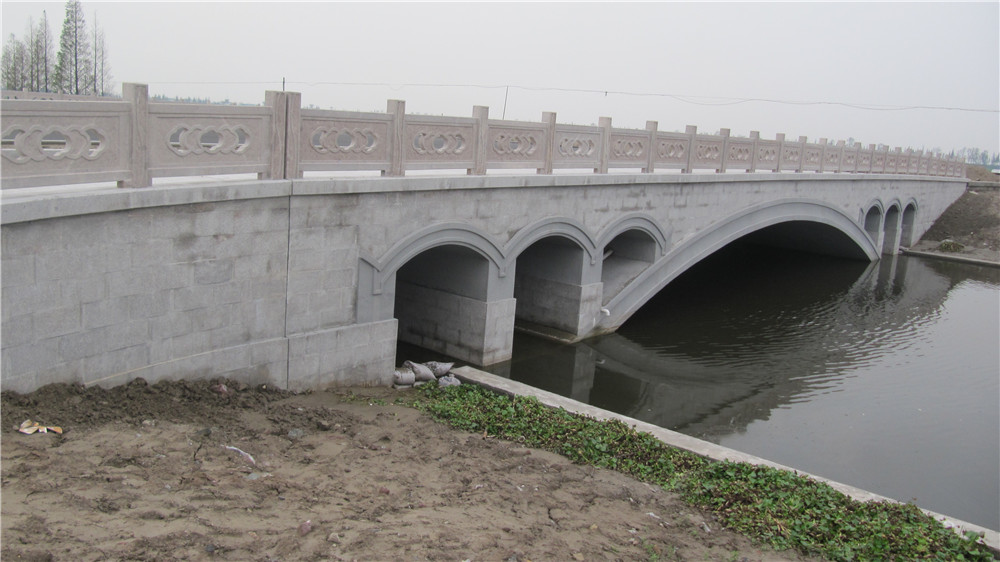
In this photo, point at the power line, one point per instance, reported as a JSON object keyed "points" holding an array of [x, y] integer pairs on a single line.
{"points": [[684, 98]]}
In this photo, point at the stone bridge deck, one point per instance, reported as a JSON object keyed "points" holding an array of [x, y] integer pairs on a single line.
{"points": [[304, 283]]}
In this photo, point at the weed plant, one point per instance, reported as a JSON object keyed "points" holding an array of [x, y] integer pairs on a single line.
{"points": [[776, 507]]}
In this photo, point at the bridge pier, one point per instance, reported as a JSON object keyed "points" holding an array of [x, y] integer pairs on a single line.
{"points": [[892, 232], [452, 300]]}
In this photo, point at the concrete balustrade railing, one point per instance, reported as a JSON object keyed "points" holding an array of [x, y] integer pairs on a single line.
{"points": [[132, 141]]}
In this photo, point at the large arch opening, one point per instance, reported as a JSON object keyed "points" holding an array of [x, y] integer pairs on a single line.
{"points": [[793, 224], [807, 236]]}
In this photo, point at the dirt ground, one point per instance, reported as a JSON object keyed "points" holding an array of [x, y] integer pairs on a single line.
{"points": [[973, 221], [143, 472], [194, 471]]}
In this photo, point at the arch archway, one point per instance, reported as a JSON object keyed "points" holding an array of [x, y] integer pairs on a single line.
{"points": [[909, 220], [800, 224], [445, 285]]}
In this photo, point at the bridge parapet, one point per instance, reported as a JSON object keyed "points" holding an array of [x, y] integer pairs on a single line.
{"points": [[130, 142]]}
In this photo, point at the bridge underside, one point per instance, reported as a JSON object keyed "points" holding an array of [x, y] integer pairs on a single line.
{"points": [[464, 301]]}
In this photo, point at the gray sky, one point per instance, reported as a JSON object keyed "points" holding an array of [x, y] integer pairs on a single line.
{"points": [[702, 61]]}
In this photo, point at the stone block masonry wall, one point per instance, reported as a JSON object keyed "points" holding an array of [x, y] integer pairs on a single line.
{"points": [[259, 280], [461, 327], [154, 292], [182, 282], [564, 306]]}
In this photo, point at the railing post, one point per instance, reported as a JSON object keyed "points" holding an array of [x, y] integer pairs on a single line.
{"points": [[482, 115], [692, 132], [871, 158], [840, 160], [651, 126], [780, 137], [293, 135], [605, 124], [396, 108], [920, 159], [824, 143], [137, 95], [802, 155], [549, 119], [755, 137], [725, 150], [285, 130]]}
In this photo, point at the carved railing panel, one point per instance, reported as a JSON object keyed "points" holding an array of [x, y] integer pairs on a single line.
{"points": [[516, 144], [340, 140], [865, 160], [63, 142], [892, 161], [672, 150], [439, 142], [190, 139], [739, 154], [576, 146], [790, 157], [768, 152], [812, 157], [922, 163], [707, 152], [628, 148], [52, 141], [832, 157]]}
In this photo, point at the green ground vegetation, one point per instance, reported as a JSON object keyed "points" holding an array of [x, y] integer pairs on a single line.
{"points": [[776, 507]]}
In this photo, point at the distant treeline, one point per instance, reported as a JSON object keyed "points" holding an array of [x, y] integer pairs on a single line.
{"points": [[977, 156], [79, 67]]}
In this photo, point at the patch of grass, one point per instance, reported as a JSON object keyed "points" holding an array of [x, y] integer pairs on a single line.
{"points": [[776, 507]]}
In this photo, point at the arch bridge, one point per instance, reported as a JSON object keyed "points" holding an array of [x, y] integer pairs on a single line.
{"points": [[304, 282]]}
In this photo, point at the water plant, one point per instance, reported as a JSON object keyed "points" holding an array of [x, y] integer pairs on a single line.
{"points": [[776, 507]]}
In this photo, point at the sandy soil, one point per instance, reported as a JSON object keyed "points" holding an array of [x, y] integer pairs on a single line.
{"points": [[143, 473], [164, 472], [973, 221]]}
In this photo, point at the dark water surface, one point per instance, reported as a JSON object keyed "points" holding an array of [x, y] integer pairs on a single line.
{"points": [[882, 376]]}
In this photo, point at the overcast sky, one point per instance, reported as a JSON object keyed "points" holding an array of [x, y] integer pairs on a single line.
{"points": [[680, 64]]}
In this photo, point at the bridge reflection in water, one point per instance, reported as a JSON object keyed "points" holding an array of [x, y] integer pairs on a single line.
{"points": [[745, 347]]}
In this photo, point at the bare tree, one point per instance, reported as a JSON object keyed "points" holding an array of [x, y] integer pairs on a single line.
{"points": [[14, 64], [102, 68], [43, 53], [73, 62]]}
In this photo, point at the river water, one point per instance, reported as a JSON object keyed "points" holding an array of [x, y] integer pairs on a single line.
{"points": [[884, 376]]}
